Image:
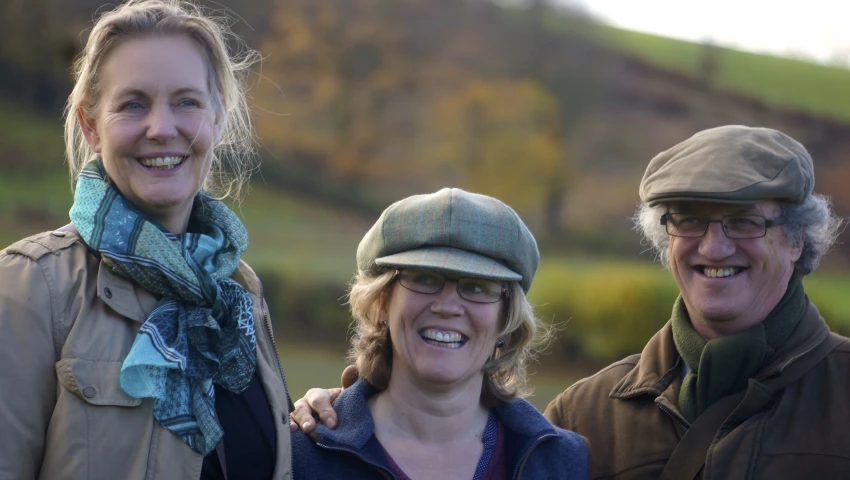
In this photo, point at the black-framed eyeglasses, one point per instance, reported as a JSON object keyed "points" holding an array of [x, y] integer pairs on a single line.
{"points": [[476, 290], [742, 226]]}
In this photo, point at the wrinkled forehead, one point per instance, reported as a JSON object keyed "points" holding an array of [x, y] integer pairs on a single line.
{"points": [[767, 208]]}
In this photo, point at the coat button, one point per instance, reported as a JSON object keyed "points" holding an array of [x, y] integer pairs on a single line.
{"points": [[58, 233], [89, 392], [107, 292]]}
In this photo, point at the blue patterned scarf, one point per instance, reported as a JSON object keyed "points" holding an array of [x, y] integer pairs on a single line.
{"points": [[202, 330]]}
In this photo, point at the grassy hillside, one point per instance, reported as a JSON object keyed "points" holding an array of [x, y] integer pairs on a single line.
{"points": [[776, 81]]}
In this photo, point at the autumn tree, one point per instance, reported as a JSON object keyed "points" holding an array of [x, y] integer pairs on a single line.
{"points": [[407, 96], [332, 70], [498, 137]]}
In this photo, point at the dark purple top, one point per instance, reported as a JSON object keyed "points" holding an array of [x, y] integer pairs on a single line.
{"points": [[491, 465], [250, 441]]}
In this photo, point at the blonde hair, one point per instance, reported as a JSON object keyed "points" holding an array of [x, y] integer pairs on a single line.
{"points": [[505, 376], [228, 70]]}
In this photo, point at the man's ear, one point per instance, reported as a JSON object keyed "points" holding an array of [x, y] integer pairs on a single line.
{"points": [[87, 125], [797, 248]]}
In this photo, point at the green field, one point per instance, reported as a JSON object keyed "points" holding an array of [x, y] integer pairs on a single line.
{"points": [[28, 138], [778, 82], [302, 238]]}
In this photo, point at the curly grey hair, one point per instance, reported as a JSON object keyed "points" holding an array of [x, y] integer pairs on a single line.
{"points": [[813, 221]]}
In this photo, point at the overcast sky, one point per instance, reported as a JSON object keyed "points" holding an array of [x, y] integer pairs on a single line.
{"points": [[816, 28]]}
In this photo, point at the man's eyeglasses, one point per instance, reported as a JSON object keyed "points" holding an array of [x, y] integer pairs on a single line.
{"points": [[476, 290], [734, 226]]}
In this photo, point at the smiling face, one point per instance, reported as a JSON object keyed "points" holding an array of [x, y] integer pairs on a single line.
{"points": [[155, 125], [441, 339], [730, 285]]}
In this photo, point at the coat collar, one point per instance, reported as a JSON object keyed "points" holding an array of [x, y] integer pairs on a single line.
{"points": [[658, 366], [522, 418], [355, 425], [660, 363], [811, 331]]}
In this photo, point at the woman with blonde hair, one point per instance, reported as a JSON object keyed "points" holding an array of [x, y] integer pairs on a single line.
{"points": [[442, 336], [134, 342]]}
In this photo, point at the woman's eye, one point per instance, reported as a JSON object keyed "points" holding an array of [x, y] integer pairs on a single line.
{"points": [[131, 106], [425, 279], [471, 287], [188, 102]]}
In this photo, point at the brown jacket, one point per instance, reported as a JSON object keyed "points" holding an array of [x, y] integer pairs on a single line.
{"points": [[629, 413], [63, 414]]}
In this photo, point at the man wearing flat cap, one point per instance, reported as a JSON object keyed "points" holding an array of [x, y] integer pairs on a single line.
{"points": [[745, 381]]}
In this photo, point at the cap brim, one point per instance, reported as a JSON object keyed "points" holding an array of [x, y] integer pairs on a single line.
{"points": [[702, 198], [451, 260]]}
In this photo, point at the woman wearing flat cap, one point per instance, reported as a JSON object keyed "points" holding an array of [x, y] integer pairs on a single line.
{"points": [[442, 336]]}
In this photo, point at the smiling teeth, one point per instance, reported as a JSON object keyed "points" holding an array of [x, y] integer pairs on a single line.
{"points": [[721, 272], [452, 338], [166, 163]]}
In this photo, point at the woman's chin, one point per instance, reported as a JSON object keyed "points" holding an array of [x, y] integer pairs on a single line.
{"points": [[166, 209], [445, 379]]}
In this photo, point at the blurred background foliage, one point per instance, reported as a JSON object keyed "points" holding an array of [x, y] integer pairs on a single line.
{"points": [[361, 102]]}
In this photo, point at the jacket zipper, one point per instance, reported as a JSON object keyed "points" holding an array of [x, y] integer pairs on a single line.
{"points": [[673, 416], [527, 453], [386, 473], [268, 325]]}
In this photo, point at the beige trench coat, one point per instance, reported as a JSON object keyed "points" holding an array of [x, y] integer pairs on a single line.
{"points": [[63, 414]]}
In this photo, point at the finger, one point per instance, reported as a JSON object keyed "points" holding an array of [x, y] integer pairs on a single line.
{"points": [[320, 401], [303, 416], [333, 394], [349, 376]]}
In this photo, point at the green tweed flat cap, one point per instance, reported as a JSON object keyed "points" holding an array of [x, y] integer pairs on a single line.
{"points": [[730, 164], [452, 231]]}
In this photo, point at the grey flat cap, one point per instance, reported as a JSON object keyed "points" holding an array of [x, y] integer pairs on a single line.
{"points": [[452, 231], [730, 164]]}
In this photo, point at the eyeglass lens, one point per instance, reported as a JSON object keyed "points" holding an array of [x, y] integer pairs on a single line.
{"points": [[735, 226], [476, 290]]}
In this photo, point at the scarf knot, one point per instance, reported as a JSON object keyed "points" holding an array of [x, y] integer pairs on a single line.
{"points": [[201, 331]]}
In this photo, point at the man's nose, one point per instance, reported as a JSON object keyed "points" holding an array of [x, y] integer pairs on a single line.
{"points": [[715, 244]]}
